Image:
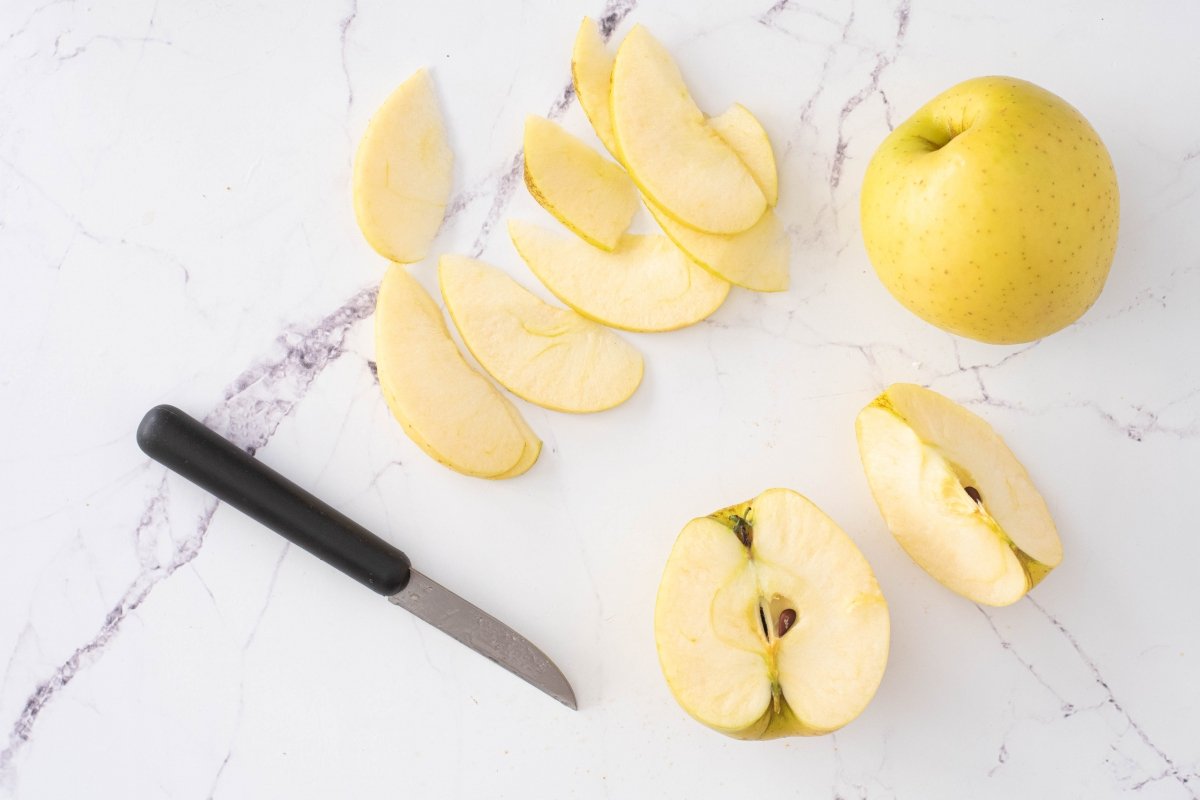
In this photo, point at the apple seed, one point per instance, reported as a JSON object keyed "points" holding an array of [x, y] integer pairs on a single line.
{"points": [[787, 618], [973, 493]]}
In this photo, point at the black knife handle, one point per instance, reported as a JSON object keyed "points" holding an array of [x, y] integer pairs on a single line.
{"points": [[184, 445]]}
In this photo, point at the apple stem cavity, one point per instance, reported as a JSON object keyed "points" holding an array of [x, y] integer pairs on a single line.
{"points": [[787, 618]]}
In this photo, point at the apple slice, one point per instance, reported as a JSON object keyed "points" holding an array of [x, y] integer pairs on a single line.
{"points": [[645, 284], [591, 73], [671, 152], [585, 191], [769, 621], [451, 411], [742, 131], [955, 496], [546, 355], [403, 172], [756, 259]]}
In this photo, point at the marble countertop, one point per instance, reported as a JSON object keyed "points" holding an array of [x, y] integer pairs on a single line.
{"points": [[176, 226]]}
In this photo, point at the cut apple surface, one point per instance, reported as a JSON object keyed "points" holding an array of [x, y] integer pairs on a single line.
{"points": [[671, 152], [756, 259], [645, 284], [546, 355], [769, 621], [584, 190], [403, 172], [451, 411], [591, 74], [955, 496], [742, 131]]}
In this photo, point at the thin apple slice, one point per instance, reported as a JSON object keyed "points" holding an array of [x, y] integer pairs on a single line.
{"points": [[451, 411], [671, 152], [403, 172], [955, 497], [546, 355], [645, 284], [585, 191], [742, 131], [769, 621], [756, 259], [591, 73]]}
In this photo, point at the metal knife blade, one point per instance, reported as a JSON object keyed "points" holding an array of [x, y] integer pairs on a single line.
{"points": [[185, 445], [484, 634]]}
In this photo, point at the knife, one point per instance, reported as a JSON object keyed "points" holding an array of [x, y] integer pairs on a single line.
{"points": [[187, 447]]}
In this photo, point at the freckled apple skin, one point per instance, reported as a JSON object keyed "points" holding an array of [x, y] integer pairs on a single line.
{"points": [[993, 211]]}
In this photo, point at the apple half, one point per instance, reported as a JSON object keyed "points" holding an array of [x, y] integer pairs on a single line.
{"points": [[546, 355], [955, 497], [646, 284], [671, 152], [769, 621], [403, 172], [447, 408], [582, 189]]}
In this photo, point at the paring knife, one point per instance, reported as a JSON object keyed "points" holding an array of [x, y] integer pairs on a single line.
{"points": [[185, 446]]}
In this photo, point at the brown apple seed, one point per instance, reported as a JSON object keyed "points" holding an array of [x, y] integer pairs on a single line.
{"points": [[787, 618]]}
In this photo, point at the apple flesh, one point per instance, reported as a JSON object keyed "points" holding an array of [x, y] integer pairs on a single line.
{"points": [[671, 152], [403, 172], [546, 355], [646, 284], [742, 131], [955, 497], [583, 190], [447, 408], [591, 74], [992, 212], [769, 621]]}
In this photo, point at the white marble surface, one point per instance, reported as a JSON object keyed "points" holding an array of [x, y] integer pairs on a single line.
{"points": [[175, 226]]}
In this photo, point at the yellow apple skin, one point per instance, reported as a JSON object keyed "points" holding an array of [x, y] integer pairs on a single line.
{"points": [[992, 212]]}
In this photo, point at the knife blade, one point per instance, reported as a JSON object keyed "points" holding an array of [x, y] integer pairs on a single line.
{"points": [[184, 445]]}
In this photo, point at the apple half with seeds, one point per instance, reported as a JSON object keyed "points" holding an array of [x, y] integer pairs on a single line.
{"points": [[769, 621], [955, 497]]}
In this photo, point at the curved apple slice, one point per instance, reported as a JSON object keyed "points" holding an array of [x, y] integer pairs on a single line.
{"points": [[757, 259], [591, 73], [403, 172], [646, 284], [447, 408], [955, 497], [546, 355], [671, 152], [585, 191], [742, 131], [769, 621]]}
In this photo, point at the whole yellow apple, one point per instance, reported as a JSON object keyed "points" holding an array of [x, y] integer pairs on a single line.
{"points": [[992, 212]]}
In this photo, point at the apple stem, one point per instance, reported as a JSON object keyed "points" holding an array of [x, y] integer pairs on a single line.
{"points": [[742, 529]]}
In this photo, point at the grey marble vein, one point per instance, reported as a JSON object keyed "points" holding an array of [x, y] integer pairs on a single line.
{"points": [[256, 403], [1068, 708]]}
